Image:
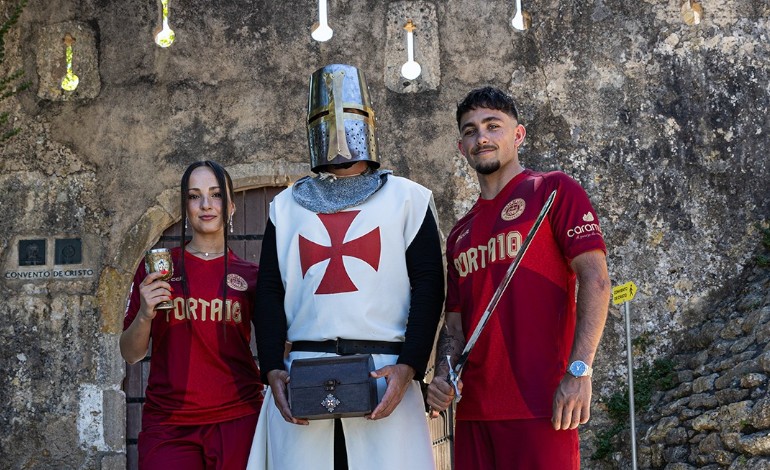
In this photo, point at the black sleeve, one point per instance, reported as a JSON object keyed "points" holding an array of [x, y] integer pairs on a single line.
{"points": [[269, 316], [424, 263]]}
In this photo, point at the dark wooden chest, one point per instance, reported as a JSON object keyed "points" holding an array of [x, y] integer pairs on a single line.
{"points": [[332, 387]]}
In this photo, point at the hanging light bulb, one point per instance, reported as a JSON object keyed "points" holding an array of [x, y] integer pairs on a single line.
{"points": [[321, 31], [692, 12], [165, 36], [411, 69], [521, 20], [70, 80]]}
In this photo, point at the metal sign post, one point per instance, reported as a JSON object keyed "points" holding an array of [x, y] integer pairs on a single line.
{"points": [[622, 295]]}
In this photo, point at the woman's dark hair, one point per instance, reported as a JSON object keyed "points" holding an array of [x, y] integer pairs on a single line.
{"points": [[490, 98], [223, 181]]}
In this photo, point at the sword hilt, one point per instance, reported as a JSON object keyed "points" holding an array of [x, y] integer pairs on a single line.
{"points": [[453, 377]]}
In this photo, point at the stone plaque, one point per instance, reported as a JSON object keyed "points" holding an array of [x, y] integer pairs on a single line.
{"points": [[68, 251], [31, 252]]}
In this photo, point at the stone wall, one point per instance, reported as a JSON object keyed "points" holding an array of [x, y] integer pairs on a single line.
{"points": [[664, 124], [718, 415]]}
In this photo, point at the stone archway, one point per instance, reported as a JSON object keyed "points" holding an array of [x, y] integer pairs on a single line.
{"points": [[113, 287]]}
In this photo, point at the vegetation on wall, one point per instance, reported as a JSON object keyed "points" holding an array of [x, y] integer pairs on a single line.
{"points": [[763, 259], [10, 82], [648, 379]]}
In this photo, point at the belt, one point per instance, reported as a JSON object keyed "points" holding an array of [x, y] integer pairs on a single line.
{"points": [[348, 346]]}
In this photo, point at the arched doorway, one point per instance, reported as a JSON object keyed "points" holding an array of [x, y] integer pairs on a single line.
{"points": [[249, 221]]}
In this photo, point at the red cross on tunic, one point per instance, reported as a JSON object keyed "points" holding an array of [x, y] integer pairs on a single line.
{"points": [[366, 248]]}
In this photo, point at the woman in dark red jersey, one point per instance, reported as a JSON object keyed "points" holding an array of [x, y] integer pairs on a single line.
{"points": [[203, 394]]}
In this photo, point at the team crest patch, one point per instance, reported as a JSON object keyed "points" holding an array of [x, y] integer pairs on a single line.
{"points": [[236, 282], [513, 209]]}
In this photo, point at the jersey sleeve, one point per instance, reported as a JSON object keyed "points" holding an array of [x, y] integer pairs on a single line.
{"points": [[574, 220]]}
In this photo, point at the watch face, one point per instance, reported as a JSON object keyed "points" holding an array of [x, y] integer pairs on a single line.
{"points": [[578, 368]]}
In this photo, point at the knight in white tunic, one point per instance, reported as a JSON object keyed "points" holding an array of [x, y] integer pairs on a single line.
{"points": [[352, 254]]}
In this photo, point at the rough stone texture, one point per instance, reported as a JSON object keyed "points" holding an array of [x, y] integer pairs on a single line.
{"points": [[664, 124], [426, 46], [52, 63], [730, 426]]}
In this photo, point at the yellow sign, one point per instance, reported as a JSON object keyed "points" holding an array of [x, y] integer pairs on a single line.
{"points": [[623, 293]]}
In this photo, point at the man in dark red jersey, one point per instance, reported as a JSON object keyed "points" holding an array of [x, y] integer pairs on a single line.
{"points": [[527, 381]]}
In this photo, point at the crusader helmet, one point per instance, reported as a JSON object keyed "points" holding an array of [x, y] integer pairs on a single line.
{"points": [[340, 119]]}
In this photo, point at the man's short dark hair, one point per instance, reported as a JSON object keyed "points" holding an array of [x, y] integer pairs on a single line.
{"points": [[487, 97]]}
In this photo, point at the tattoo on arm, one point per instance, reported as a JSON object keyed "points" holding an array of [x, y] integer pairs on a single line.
{"points": [[451, 345]]}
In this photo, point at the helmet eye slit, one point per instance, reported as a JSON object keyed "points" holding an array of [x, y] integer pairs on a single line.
{"points": [[360, 112], [318, 116]]}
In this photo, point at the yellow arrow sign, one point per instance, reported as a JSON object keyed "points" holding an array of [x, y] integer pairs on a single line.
{"points": [[623, 293]]}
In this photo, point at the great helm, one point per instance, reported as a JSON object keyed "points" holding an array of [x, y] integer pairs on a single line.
{"points": [[340, 119]]}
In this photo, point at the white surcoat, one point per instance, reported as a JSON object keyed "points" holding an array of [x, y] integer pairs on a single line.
{"points": [[345, 277]]}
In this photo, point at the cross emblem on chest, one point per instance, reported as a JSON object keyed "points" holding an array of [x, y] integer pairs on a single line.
{"points": [[336, 279]]}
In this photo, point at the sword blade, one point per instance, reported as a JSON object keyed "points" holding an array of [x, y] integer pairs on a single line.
{"points": [[501, 288]]}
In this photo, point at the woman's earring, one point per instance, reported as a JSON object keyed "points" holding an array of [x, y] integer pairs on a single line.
{"points": [[185, 223], [231, 223]]}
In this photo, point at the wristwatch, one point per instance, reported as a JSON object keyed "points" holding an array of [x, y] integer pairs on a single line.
{"points": [[580, 369]]}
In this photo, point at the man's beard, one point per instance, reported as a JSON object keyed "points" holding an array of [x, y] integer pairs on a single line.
{"points": [[487, 167]]}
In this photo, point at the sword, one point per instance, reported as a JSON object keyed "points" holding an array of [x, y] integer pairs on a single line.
{"points": [[457, 370]]}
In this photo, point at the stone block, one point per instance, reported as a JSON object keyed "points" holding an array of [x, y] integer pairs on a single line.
{"points": [[704, 384], [679, 466], [687, 413], [732, 376], [111, 368], [114, 424], [757, 463], [658, 432], [731, 395], [732, 330], [706, 422], [734, 415], [760, 414], [113, 462], [676, 436], [675, 407], [426, 46], [711, 443], [676, 454], [764, 361], [52, 61], [762, 333], [699, 359], [683, 376], [703, 400], [723, 457], [756, 444], [753, 379], [742, 344]]}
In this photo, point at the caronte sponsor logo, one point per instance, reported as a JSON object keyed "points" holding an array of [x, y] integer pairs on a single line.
{"points": [[585, 230], [588, 217]]}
